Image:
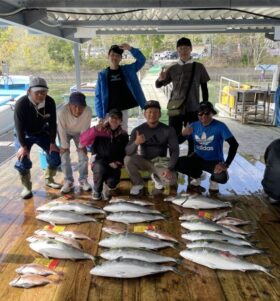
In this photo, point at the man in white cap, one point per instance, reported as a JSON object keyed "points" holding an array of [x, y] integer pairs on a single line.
{"points": [[35, 123], [73, 119]]}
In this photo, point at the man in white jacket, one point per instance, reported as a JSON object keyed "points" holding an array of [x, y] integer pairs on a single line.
{"points": [[73, 119]]}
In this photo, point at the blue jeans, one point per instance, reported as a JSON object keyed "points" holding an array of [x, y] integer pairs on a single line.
{"points": [[66, 161], [25, 164]]}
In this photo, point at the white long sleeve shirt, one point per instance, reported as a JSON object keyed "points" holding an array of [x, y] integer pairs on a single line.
{"points": [[67, 124]]}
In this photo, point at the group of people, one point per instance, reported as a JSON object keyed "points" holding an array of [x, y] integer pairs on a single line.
{"points": [[118, 89]]}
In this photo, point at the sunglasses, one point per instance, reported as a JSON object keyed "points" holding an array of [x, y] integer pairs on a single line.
{"points": [[204, 113]]}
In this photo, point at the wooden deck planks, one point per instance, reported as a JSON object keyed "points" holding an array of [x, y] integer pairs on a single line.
{"points": [[17, 221]]}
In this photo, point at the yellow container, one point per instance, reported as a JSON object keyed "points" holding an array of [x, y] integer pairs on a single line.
{"points": [[227, 98]]}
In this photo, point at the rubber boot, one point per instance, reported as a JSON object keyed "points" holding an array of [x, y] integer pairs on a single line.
{"points": [[49, 180], [27, 186]]}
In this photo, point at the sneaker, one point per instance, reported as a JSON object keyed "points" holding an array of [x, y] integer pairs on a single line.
{"points": [[96, 196], [213, 187], [197, 182], [67, 186], [136, 189], [85, 186], [196, 189], [157, 181]]}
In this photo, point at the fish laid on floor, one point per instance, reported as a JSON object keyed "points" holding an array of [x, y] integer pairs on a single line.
{"points": [[160, 235], [74, 235], [129, 268], [236, 229], [113, 229], [226, 247], [131, 201], [232, 221], [214, 236], [50, 248], [133, 240], [71, 206], [214, 259], [207, 225], [128, 207], [213, 216], [64, 239], [64, 217], [133, 217], [139, 254], [197, 201], [37, 269], [27, 281]]}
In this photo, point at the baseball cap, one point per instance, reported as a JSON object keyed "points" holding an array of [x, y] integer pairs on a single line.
{"points": [[184, 42], [78, 99], [38, 84], [116, 49], [151, 104], [115, 113], [207, 106]]}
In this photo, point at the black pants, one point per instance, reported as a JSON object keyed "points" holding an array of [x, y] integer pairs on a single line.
{"points": [[102, 172], [193, 166], [177, 122]]}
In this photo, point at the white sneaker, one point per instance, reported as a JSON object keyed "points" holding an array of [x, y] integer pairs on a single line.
{"points": [[136, 189], [85, 186], [214, 186], [157, 181], [197, 182], [67, 186]]}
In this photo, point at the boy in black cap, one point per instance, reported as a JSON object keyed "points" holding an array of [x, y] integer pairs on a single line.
{"points": [[73, 119], [147, 150], [35, 123], [186, 77], [208, 135], [118, 86]]}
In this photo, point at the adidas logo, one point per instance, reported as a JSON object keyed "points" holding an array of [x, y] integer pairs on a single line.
{"points": [[203, 140]]}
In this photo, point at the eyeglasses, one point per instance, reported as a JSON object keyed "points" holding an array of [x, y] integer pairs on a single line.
{"points": [[204, 113]]}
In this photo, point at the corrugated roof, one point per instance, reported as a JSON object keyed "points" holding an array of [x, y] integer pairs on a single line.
{"points": [[79, 20]]}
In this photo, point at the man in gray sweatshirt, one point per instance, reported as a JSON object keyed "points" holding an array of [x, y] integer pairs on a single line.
{"points": [[147, 150]]}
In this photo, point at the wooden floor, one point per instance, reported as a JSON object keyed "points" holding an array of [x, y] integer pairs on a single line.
{"points": [[17, 222]]}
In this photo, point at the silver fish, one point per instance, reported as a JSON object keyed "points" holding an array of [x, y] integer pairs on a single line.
{"points": [[224, 246], [198, 201], [232, 221], [206, 225], [27, 281], [133, 240], [214, 216], [132, 201], [56, 249], [139, 254], [64, 239], [64, 217], [214, 236], [129, 268], [37, 269], [133, 217], [128, 207], [214, 259], [74, 234], [113, 229], [236, 229], [160, 235], [71, 206]]}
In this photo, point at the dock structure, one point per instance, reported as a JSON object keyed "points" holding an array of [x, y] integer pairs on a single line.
{"points": [[18, 221]]}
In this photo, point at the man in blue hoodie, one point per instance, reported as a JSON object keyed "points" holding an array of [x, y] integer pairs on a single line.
{"points": [[118, 86]]}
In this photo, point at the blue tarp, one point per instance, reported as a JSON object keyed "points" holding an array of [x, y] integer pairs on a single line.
{"points": [[277, 107]]}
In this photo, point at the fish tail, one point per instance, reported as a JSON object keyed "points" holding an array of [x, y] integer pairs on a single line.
{"points": [[268, 272]]}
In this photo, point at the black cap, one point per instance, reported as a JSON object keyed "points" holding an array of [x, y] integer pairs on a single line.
{"points": [[151, 104], [78, 99], [207, 106], [116, 49], [116, 113], [184, 42]]}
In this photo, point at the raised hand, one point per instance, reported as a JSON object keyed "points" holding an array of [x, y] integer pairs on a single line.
{"points": [[140, 138]]}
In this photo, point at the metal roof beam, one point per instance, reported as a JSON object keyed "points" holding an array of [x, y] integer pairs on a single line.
{"points": [[149, 3], [32, 16], [183, 31], [168, 23]]}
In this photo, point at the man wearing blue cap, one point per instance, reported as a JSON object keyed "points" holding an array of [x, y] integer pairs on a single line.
{"points": [[35, 123], [73, 119]]}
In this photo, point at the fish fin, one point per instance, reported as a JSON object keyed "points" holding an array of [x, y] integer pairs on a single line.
{"points": [[267, 270], [52, 223], [45, 255]]}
